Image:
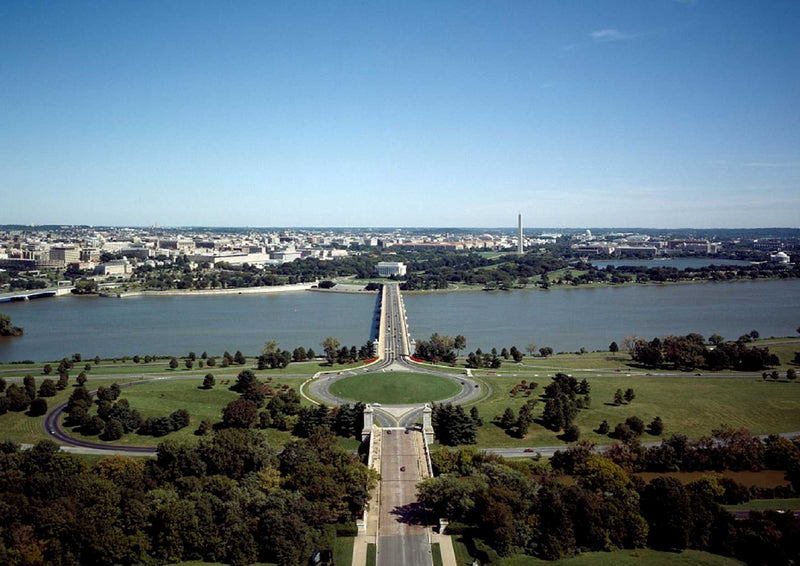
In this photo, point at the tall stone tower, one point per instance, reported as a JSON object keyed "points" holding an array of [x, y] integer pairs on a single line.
{"points": [[520, 247]]}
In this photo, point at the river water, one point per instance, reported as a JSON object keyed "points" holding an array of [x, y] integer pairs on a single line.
{"points": [[565, 319]]}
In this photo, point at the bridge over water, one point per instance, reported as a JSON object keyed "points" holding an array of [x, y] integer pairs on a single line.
{"points": [[36, 293]]}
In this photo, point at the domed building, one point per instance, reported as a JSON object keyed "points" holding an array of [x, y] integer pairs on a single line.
{"points": [[779, 257]]}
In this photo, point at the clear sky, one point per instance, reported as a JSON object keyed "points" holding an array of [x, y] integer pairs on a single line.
{"points": [[656, 113]]}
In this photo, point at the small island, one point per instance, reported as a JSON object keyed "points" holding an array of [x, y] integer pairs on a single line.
{"points": [[8, 329]]}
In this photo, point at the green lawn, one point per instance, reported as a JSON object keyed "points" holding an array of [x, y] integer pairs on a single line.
{"points": [[19, 427], [343, 550], [161, 397], [372, 553], [765, 504], [394, 388], [688, 405], [436, 554], [639, 557]]}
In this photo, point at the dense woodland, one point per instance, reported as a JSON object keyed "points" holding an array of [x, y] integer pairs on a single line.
{"points": [[526, 507], [229, 498]]}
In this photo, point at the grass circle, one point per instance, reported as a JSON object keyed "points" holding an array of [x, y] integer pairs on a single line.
{"points": [[395, 388]]}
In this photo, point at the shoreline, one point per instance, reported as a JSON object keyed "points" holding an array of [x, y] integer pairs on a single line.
{"points": [[210, 292], [474, 288]]}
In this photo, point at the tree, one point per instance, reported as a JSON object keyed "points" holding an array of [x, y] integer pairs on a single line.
{"points": [[244, 380], [8, 329], [29, 383], [508, 419], [208, 381], [47, 388], [531, 349], [666, 506], [754, 334], [81, 379], [629, 395], [204, 428], [173, 363], [38, 407], [2, 384], [613, 348], [113, 430], [47, 369], [603, 428], [716, 339], [656, 426], [299, 354], [571, 433], [189, 363], [240, 413], [331, 346], [636, 424], [546, 351], [475, 416], [618, 397], [18, 399], [239, 358], [791, 374], [459, 343]]}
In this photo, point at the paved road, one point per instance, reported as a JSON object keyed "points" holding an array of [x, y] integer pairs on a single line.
{"points": [[402, 539]]}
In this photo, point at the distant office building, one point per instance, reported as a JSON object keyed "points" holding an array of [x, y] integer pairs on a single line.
{"points": [[286, 256], [389, 268], [65, 255], [120, 267]]}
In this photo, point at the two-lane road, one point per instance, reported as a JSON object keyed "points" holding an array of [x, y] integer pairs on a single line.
{"points": [[402, 539]]}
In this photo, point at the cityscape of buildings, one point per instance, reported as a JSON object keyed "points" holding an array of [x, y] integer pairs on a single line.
{"points": [[116, 252]]}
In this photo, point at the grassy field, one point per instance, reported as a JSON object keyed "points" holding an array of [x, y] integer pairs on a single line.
{"points": [[160, 398], [638, 557], [19, 427], [436, 554], [343, 550], [394, 388], [766, 504], [764, 478], [161, 368], [687, 405]]}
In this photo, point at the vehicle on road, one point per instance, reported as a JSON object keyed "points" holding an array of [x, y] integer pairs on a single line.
{"points": [[402, 468]]}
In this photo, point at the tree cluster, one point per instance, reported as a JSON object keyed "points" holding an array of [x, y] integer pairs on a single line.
{"points": [[453, 426], [8, 329], [563, 398], [513, 508], [439, 348], [229, 498], [691, 351]]}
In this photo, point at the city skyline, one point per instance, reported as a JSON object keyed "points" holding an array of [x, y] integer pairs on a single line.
{"points": [[666, 115]]}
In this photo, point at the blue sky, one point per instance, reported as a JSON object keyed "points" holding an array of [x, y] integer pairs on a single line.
{"points": [[657, 113]]}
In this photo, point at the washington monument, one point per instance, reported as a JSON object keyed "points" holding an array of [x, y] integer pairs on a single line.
{"points": [[520, 249]]}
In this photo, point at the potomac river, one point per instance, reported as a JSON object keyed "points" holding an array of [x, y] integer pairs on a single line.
{"points": [[563, 318]]}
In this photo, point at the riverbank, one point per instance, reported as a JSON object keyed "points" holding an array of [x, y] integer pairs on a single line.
{"points": [[345, 288], [462, 288], [211, 292]]}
